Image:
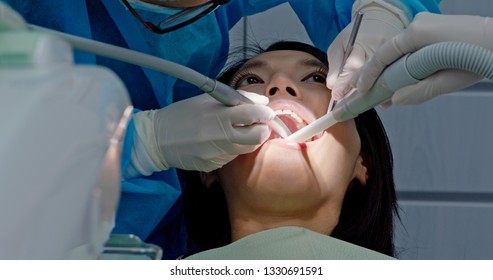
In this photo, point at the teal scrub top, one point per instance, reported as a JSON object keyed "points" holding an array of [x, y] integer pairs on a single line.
{"points": [[289, 243], [150, 206]]}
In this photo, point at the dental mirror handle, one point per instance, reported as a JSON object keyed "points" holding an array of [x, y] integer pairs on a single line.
{"points": [[347, 51], [352, 39]]}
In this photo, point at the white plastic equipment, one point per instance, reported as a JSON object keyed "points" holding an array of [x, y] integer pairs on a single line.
{"points": [[60, 146]]}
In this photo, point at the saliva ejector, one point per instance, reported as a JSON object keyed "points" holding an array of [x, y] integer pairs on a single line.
{"points": [[408, 70]]}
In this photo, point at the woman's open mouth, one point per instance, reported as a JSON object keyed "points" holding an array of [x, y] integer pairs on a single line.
{"points": [[294, 115]]}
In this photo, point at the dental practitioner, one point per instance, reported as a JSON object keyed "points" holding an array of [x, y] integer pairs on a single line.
{"points": [[198, 132], [426, 29]]}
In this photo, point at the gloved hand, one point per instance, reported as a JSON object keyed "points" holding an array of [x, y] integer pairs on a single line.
{"points": [[426, 29], [198, 133], [10, 19], [381, 21]]}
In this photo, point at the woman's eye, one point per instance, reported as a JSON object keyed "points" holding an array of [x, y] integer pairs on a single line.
{"points": [[250, 80], [316, 78]]}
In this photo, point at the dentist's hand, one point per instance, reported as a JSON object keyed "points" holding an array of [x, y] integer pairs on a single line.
{"points": [[200, 133], [378, 25], [427, 29]]}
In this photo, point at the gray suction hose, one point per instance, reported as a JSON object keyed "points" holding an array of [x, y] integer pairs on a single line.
{"points": [[414, 67], [223, 93], [448, 55]]}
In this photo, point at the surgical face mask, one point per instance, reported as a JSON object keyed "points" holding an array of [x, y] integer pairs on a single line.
{"points": [[148, 7], [172, 18]]}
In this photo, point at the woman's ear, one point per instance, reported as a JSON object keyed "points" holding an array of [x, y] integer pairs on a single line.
{"points": [[208, 178], [360, 171]]}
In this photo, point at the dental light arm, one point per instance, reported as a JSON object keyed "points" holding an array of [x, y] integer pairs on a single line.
{"points": [[408, 70]]}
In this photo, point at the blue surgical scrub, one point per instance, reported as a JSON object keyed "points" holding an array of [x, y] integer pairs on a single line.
{"points": [[150, 206]]}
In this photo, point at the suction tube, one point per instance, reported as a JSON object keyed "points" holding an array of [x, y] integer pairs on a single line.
{"points": [[408, 70], [223, 93]]}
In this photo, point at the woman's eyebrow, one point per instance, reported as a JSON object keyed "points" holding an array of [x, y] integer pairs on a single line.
{"points": [[249, 65], [313, 63]]}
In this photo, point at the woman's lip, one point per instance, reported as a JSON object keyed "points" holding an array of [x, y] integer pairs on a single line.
{"points": [[290, 143], [286, 143], [275, 136]]}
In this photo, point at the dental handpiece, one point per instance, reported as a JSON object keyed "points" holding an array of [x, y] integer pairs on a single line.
{"points": [[230, 97], [221, 92]]}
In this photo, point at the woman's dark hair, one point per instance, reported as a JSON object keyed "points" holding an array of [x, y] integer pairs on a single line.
{"points": [[367, 215]]}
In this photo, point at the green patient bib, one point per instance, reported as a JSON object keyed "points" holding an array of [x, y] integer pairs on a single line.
{"points": [[289, 243]]}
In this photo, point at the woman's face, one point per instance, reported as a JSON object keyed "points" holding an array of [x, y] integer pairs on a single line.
{"points": [[282, 177]]}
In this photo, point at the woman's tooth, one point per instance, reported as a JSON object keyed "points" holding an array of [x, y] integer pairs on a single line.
{"points": [[296, 117], [300, 122]]}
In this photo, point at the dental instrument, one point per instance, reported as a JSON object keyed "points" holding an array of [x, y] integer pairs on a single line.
{"points": [[408, 70], [347, 51], [221, 92]]}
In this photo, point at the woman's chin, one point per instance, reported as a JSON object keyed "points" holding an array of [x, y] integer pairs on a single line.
{"points": [[279, 158]]}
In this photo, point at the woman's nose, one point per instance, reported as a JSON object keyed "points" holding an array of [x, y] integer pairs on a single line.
{"points": [[281, 86]]}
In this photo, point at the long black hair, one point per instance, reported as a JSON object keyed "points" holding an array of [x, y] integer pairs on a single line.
{"points": [[367, 214]]}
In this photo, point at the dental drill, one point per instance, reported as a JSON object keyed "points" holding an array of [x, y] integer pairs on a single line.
{"points": [[408, 70], [219, 91]]}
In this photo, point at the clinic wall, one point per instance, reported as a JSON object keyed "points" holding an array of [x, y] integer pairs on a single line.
{"points": [[442, 151]]}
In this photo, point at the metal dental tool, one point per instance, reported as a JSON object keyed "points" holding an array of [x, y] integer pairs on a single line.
{"points": [[347, 51], [408, 70], [221, 92]]}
